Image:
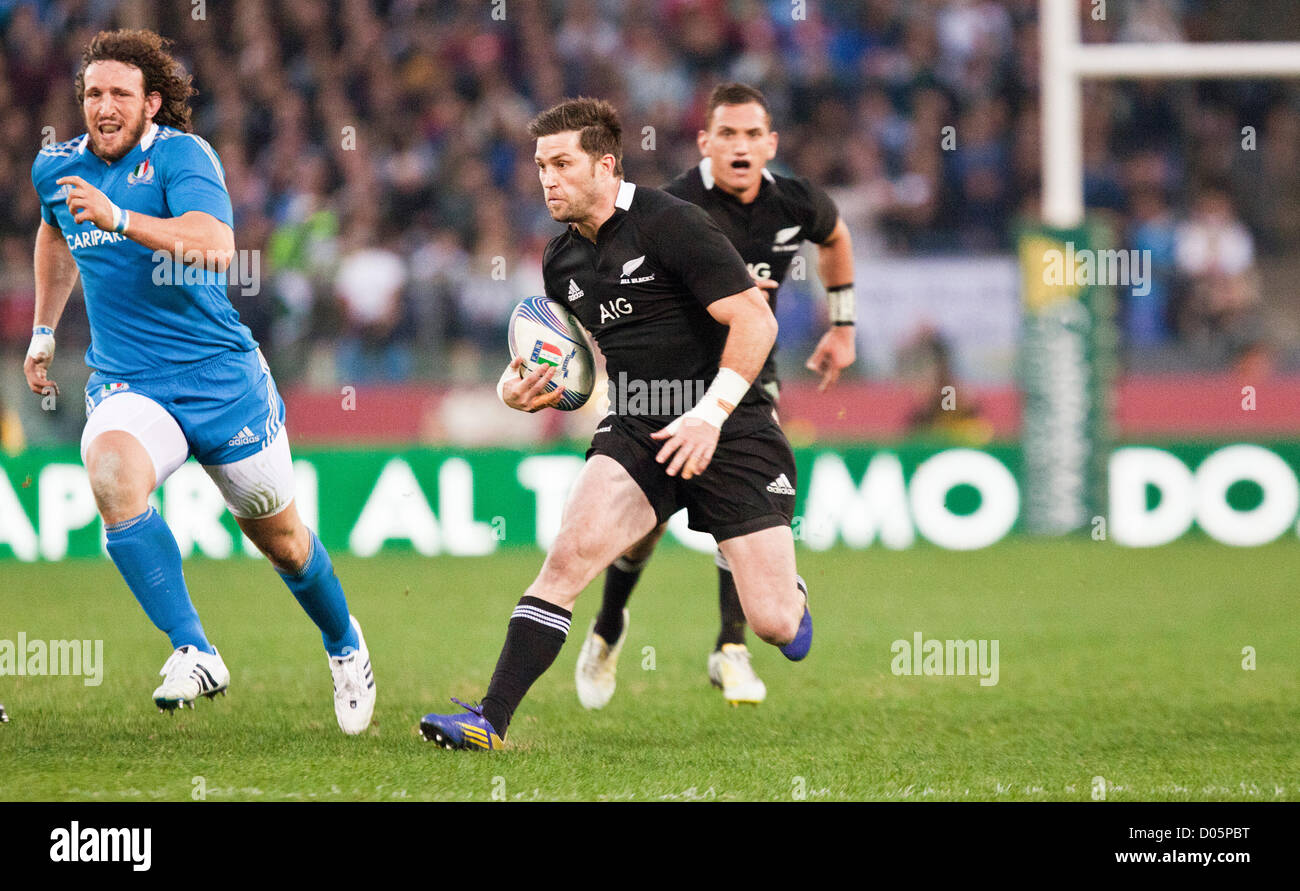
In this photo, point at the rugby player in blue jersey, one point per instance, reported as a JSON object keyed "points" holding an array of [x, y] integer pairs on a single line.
{"points": [[137, 206]]}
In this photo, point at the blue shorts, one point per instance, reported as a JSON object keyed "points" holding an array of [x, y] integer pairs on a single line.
{"points": [[227, 406]]}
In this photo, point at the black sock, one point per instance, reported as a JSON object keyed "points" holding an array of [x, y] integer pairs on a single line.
{"points": [[534, 636], [732, 630], [620, 579]]}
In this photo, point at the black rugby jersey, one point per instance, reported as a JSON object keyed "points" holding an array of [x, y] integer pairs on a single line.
{"points": [[769, 230], [642, 290]]}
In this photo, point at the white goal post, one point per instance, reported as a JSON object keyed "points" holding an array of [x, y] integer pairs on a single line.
{"points": [[1065, 61]]}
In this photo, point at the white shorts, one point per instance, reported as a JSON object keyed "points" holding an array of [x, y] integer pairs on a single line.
{"points": [[255, 487]]}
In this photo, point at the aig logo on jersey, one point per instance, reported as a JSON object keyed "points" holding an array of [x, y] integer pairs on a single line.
{"points": [[781, 241], [615, 309], [630, 267], [143, 173]]}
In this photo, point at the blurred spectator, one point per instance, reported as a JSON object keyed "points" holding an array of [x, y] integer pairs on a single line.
{"points": [[1152, 233], [407, 117], [1215, 256], [370, 283], [943, 410]]}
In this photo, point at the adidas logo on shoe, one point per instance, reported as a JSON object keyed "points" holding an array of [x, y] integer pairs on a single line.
{"points": [[781, 486], [244, 437]]}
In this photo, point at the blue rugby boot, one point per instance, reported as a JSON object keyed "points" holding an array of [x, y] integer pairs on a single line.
{"points": [[467, 730], [802, 643]]}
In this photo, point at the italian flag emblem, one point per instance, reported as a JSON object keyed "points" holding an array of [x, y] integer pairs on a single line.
{"points": [[548, 355], [142, 173]]}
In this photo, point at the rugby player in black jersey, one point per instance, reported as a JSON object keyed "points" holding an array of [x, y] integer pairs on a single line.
{"points": [[766, 217], [671, 305]]}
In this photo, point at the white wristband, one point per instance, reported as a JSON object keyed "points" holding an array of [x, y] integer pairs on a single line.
{"points": [[42, 343], [505, 376], [121, 219], [841, 305], [728, 387]]}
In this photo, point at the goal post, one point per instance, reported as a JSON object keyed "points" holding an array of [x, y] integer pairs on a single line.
{"points": [[1067, 356], [1065, 61]]}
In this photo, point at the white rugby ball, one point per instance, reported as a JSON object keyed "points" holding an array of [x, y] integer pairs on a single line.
{"points": [[543, 332]]}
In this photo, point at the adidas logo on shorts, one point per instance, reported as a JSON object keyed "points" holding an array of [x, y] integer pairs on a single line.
{"points": [[244, 437], [781, 486]]}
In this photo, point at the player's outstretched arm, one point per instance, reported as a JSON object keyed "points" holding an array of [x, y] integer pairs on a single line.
{"points": [[56, 273], [193, 237], [836, 350], [692, 438]]}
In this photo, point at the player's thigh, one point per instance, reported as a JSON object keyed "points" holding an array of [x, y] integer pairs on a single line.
{"points": [[130, 442], [606, 513], [763, 565], [260, 486]]}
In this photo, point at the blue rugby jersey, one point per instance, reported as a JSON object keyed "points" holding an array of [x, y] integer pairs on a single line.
{"points": [[145, 312]]}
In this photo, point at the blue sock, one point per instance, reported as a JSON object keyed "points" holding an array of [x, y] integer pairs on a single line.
{"points": [[802, 643], [146, 554], [321, 597]]}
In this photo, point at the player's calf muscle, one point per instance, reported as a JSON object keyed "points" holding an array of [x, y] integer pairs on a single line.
{"points": [[595, 531], [282, 538], [574, 560], [772, 625], [641, 551]]}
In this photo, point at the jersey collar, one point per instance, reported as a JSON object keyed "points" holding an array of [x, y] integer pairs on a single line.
{"points": [[147, 139], [706, 173], [625, 191], [150, 134], [622, 201]]}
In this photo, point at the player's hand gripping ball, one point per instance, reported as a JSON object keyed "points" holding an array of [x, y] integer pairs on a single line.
{"points": [[544, 333]]}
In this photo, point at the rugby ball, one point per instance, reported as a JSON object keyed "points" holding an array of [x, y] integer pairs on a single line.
{"points": [[543, 332]]}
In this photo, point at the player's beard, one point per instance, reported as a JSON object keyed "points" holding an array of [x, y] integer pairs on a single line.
{"points": [[579, 207], [135, 132]]}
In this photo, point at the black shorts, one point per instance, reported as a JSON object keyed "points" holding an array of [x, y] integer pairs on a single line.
{"points": [[749, 484]]}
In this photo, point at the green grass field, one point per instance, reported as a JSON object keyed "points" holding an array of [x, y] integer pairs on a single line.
{"points": [[1119, 664]]}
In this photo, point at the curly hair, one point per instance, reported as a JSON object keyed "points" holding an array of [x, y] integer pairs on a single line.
{"points": [[162, 73]]}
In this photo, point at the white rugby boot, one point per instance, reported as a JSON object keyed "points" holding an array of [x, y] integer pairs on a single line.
{"points": [[730, 671], [354, 686], [188, 674], [597, 663]]}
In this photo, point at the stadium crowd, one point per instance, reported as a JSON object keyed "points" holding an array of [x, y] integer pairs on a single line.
{"points": [[375, 156]]}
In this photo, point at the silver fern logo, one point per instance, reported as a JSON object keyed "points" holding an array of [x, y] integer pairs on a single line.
{"points": [[780, 242], [632, 266]]}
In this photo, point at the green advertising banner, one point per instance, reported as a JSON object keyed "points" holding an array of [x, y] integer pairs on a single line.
{"points": [[472, 503]]}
